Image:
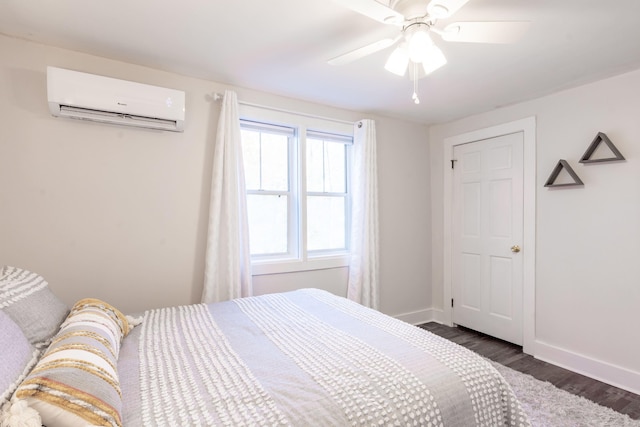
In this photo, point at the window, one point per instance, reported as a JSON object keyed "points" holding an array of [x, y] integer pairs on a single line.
{"points": [[326, 191], [266, 151], [298, 202]]}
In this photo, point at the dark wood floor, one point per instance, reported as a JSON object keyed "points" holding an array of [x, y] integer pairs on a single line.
{"points": [[512, 356]]}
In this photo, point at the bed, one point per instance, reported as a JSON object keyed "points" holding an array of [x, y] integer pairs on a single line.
{"points": [[301, 358]]}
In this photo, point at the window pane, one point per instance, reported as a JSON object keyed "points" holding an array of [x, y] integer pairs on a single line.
{"points": [[267, 224], [251, 158], [325, 223], [326, 167], [315, 167], [275, 162], [335, 179]]}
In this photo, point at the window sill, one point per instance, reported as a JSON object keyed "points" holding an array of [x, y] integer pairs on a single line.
{"points": [[259, 268]]}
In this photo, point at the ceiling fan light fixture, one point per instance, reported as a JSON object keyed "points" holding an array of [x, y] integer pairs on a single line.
{"points": [[398, 61], [433, 60], [418, 42]]}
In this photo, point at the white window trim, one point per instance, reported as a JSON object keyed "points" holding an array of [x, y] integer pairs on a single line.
{"points": [[265, 267], [303, 261]]}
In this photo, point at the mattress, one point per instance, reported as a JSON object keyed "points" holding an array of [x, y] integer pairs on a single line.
{"points": [[303, 358]]}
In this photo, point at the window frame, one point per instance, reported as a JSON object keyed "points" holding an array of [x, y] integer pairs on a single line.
{"points": [[298, 257]]}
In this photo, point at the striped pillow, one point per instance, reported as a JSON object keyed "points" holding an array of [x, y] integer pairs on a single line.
{"points": [[76, 382], [27, 299]]}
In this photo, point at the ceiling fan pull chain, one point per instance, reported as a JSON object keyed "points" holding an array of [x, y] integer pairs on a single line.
{"points": [[415, 83]]}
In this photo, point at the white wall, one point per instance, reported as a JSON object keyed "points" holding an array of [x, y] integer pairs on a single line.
{"points": [[588, 239], [120, 213]]}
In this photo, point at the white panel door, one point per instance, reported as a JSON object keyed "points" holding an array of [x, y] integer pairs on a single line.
{"points": [[487, 236]]}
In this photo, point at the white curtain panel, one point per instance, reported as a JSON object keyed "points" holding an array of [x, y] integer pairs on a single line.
{"points": [[228, 262], [363, 266]]}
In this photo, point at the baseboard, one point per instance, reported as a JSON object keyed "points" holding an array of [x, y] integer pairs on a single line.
{"points": [[597, 369], [438, 315], [421, 316]]}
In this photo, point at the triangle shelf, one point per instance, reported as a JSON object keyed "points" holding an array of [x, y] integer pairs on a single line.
{"points": [[563, 164], [601, 137]]}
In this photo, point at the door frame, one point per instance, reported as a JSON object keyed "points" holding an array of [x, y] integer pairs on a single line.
{"points": [[528, 127]]}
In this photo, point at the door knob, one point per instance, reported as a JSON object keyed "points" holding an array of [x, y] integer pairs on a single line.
{"points": [[515, 249]]}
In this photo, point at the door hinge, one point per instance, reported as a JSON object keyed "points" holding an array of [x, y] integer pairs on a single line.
{"points": [[451, 302], [453, 162]]}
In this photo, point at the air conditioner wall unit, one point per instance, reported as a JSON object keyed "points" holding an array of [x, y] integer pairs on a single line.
{"points": [[85, 96]]}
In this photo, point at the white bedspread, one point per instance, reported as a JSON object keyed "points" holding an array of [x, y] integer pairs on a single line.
{"points": [[303, 358]]}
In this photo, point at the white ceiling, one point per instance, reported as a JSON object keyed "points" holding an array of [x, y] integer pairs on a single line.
{"points": [[282, 47]]}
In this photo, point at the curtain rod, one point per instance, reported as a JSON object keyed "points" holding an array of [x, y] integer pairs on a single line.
{"points": [[217, 97]]}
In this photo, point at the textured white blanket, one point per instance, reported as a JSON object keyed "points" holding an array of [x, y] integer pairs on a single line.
{"points": [[303, 358]]}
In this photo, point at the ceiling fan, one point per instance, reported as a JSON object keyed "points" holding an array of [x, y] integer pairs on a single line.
{"points": [[417, 20]]}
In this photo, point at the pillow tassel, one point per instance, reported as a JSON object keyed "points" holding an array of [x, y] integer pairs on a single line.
{"points": [[17, 413], [133, 321]]}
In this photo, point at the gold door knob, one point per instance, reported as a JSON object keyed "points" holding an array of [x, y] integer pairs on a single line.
{"points": [[515, 249]]}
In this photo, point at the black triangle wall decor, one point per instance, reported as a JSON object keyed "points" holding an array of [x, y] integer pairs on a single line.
{"points": [[601, 137], [563, 164]]}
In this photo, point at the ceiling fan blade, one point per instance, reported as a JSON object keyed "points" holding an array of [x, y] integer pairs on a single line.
{"points": [[362, 51], [373, 10], [441, 9], [485, 32]]}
